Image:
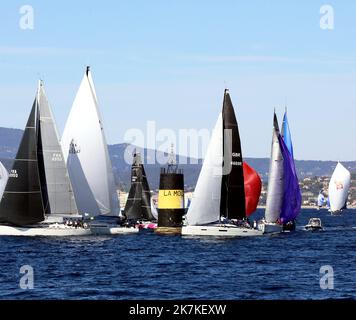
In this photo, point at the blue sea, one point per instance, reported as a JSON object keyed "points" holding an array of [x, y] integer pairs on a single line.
{"points": [[149, 266]]}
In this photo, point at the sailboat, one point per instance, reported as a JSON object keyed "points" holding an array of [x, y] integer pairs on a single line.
{"points": [[283, 196], [271, 222], [321, 200], [86, 153], [218, 206], [3, 178], [339, 188], [138, 208], [38, 195]]}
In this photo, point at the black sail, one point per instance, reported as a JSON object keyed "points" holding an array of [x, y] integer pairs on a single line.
{"points": [[232, 203], [138, 205], [22, 202]]}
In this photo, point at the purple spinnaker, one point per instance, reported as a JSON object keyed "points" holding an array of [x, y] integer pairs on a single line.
{"points": [[292, 198]]}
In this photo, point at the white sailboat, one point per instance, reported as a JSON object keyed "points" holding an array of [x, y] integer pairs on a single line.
{"points": [[4, 175], [86, 153], [38, 194], [339, 188], [218, 204]]}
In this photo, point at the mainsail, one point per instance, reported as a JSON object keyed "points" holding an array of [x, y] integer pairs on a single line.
{"points": [[85, 150], [232, 185], [138, 205], [339, 187], [292, 198], [60, 194], [22, 201], [275, 178], [220, 188], [205, 205], [4, 175], [253, 186]]}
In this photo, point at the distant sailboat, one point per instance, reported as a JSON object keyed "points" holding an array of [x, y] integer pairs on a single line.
{"points": [[338, 188], [4, 175], [321, 200], [86, 153], [38, 188], [218, 206], [138, 205]]}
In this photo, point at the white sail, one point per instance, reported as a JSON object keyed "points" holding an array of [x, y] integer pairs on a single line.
{"points": [[85, 150], [275, 179], [205, 205], [154, 209], [60, 192], [339, 187], [4, 175]]}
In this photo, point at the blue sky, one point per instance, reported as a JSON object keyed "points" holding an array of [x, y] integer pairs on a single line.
{"points": [[169, 61]]}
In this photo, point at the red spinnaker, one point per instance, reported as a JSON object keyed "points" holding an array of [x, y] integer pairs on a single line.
{"points": [[253, 186]]}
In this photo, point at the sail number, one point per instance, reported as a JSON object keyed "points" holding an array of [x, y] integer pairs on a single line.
{"points": [[13, 174], [57, 157]]}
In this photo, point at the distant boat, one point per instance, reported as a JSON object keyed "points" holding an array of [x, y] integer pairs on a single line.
{"points": [[138, 205], [86, 153], [314, 224], [218, 206], [4, 175], [38, 194], [339, 188], [321, 200]]}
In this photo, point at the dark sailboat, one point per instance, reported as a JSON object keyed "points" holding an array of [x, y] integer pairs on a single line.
{"points": [[232, 205], [138, 205], [38, 186], [22, 202]]}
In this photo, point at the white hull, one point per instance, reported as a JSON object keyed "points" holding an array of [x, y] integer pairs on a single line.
{"points": [[54, 230], [102, 230], [220, 231], [269, 228]]}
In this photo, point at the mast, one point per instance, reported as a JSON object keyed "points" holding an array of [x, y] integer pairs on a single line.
{"points": [[232, 205], [22, 201]]}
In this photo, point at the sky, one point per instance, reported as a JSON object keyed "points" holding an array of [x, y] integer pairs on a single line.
{"points": [[169, 62]]}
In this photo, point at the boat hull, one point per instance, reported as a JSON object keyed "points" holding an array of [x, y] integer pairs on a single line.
{"points": [[110, 230], [269, 228], [313, 228], [220, 231], [47, 231]]}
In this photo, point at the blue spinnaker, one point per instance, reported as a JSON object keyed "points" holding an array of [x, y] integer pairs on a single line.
{"points": [[292, 198], [286, 134]]}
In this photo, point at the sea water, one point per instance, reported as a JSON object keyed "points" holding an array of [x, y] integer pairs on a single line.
{"points": [[149, 266]]}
